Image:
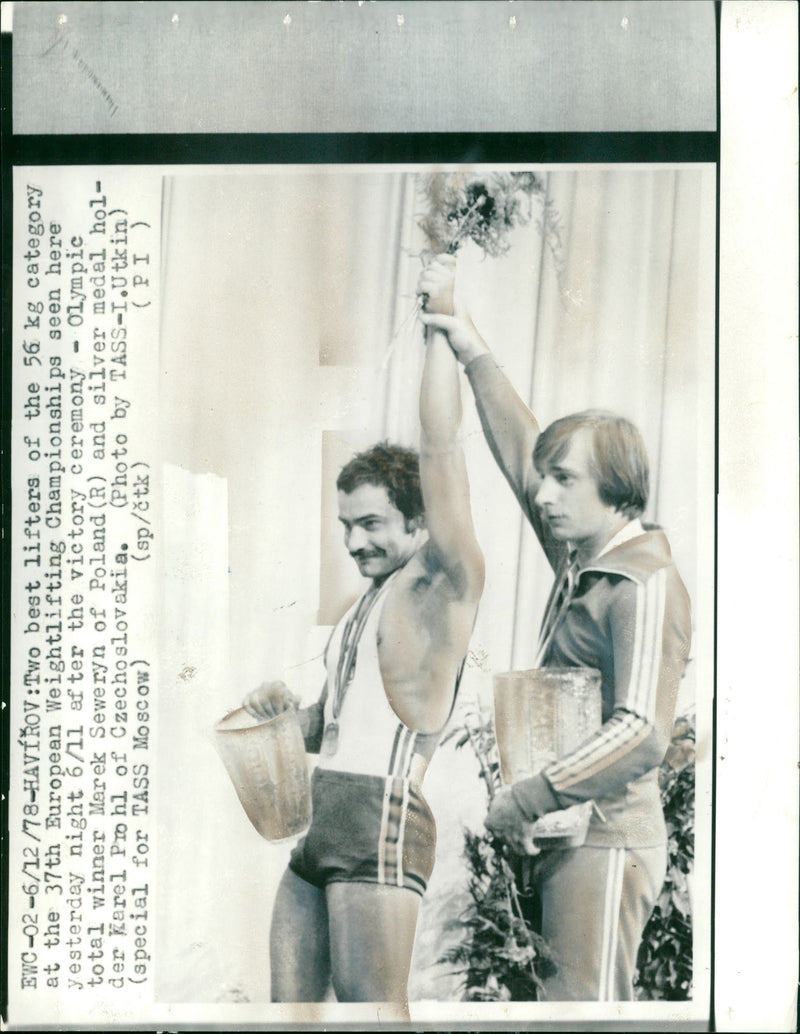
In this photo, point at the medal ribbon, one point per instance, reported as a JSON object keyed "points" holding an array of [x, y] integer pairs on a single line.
{"points": [[349, 648]]}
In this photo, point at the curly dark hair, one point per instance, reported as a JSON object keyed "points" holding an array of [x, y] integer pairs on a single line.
{"points": [[619, 459], [391, 466]]}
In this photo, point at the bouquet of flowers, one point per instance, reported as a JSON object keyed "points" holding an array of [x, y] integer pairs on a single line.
{"points": [[484, 208]]}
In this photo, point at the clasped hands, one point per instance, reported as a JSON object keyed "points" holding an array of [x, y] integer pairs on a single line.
{"points": [[443, 310]]}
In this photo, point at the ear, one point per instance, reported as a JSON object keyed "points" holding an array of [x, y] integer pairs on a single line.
{"points": [[417, 523]]}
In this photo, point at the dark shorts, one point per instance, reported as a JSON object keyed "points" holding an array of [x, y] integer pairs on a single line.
{"points": [[366, 829]]}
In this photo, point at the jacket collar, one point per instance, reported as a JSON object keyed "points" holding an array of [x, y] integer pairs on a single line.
{"points": [[635, 552]]}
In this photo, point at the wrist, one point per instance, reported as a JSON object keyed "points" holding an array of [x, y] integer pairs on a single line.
{"points": [[471, 349], [528, 813], [479, 362], [468, 345], [535, 797]]}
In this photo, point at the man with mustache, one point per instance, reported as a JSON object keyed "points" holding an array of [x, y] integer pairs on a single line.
{"points": [[619, 605], [346, 909]]}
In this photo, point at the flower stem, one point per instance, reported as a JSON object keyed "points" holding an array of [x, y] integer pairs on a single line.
{"points": [[513, 896], [485, 770]]}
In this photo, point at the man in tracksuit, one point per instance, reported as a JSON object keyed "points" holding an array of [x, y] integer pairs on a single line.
{"points": [[618, 605]]}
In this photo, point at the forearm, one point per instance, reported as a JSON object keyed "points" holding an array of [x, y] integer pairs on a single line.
{"points": [[451, 545], [440, 395], [311, 726], [624, 748], [510, 428]]}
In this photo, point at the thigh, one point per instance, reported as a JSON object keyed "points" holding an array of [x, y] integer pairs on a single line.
{"points": [[595, 904], [298, 943], [372, 929]]}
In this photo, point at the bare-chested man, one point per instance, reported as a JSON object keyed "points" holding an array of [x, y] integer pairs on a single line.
{"points": [[346, 909]]}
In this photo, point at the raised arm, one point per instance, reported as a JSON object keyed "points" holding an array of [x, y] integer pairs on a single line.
{"points": [[511, 429], [452, 544]]}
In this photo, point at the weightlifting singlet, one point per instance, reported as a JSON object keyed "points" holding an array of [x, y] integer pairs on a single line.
{"points": [[370, 822], [371, 738]]}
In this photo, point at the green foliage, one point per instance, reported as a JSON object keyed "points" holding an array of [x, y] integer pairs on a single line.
{"points": [[501, 956], [664, 968]]}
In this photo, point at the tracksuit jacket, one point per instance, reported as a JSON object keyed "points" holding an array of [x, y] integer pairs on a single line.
{"points": [[629, 616]]}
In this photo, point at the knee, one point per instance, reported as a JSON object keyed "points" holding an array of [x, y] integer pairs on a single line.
{"points": [[369, 984]]}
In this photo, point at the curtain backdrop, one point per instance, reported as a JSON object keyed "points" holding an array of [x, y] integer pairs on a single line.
{"points": [[288, 342]]}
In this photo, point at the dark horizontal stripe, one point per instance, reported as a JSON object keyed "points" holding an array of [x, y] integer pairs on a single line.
{"points": [[349, 148], [410, 877]]}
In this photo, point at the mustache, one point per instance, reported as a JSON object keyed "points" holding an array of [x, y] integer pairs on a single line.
{"points": [[363, 554]]}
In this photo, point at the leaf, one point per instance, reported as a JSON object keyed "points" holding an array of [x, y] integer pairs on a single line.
{"points": [[503, 958], [664, 964]]}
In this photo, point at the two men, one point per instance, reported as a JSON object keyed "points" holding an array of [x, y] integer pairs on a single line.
{"points": [[619, 605], [346, 909]]}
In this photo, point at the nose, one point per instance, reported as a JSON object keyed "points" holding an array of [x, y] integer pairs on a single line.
{"points": [[355, 539], [545, 494]]}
